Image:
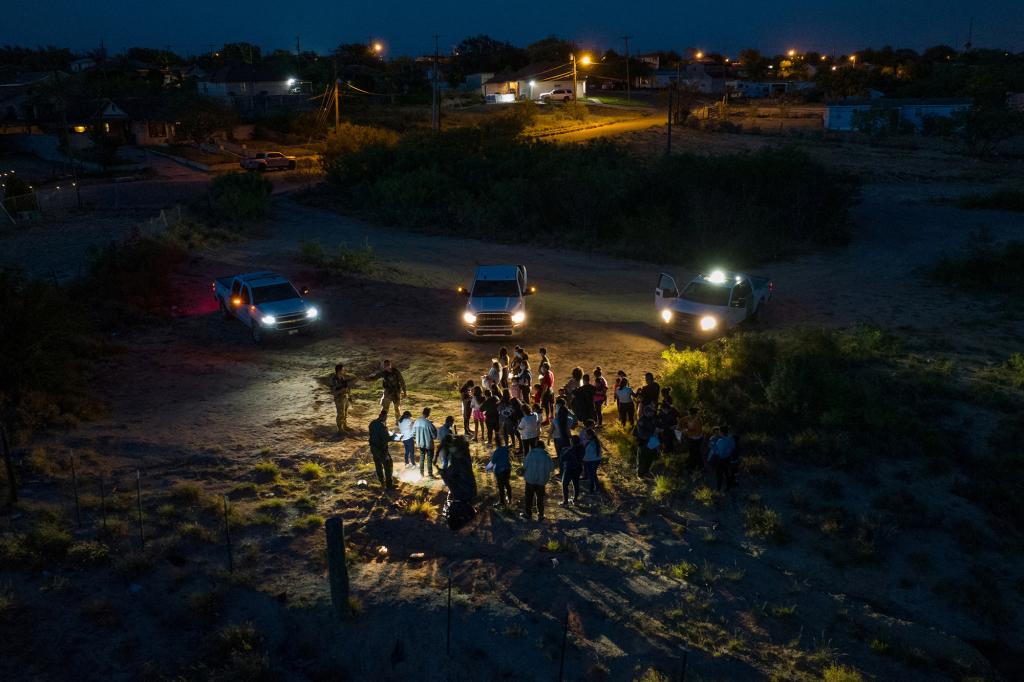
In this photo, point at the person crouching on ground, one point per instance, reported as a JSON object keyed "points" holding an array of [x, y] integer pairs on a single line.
{"points": [[537, 468], [379, 440], [425, 432], [408, 438], [571, 459], [501, 466]]}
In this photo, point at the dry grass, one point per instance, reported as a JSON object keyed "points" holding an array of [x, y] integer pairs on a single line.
{"points": [[423, 507]]}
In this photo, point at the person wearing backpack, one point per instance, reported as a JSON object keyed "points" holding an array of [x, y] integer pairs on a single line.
{"points": [[583, 399], [592, 456], [392, 385], [529, 428]]}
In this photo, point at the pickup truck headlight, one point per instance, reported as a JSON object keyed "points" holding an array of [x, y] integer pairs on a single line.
{"points": [[268, 320], [312, 312], [707, 323], [666, 315], [468, 317], [517, 318]]}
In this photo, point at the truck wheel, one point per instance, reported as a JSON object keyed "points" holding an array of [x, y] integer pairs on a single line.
{"points": [[224, 309], [257, 335]]}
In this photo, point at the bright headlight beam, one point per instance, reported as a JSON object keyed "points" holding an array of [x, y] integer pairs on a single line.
{"points": [[666, 315], [707, 323], [312, 312], [468, 317], [517, 318], [268, 319]]}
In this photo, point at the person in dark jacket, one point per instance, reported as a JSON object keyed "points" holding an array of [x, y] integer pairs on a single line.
{"points": [[561, 430], [379, 440], [583, 399], [668, 419], [392, 387], [490, 410], [651, 391], [501, 466], [571, 459], [461, 482], [646, 434], [466, 395]]}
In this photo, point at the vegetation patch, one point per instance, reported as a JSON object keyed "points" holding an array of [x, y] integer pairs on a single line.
{"points": [[983, 266], [345, 260]]}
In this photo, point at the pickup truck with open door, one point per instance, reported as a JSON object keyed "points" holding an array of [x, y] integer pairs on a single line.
{"points": [[265, 302], [710, 305]]}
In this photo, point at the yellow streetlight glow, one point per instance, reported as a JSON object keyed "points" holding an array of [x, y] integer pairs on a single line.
{"points": [[791, 53], [585, 59], [699, 55], [377, 47]]}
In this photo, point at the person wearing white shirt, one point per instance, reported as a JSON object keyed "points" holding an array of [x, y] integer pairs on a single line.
{"points": [[405, 433], [529, 428]]}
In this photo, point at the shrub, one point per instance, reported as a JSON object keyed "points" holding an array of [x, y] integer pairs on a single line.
{"points": [[88, 553], [344, 261], [14, 549], [240, 197], [309, 522], [18, 195], [266, 472], [762, 522], [841, 673], [49, 540], [982, 266], [343, 151], [664, 487], [129, 280], [423, 507], [311, 471], [682, 571], [188, 494]]}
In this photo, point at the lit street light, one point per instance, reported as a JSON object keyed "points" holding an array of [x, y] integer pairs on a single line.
{"points": [[699, 55], [585, 59], [791, 53]]}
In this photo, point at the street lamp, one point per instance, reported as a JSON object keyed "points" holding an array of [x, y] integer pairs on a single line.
{"points": [[572, 58], [791, 53], [699, 55], [378, 48]]}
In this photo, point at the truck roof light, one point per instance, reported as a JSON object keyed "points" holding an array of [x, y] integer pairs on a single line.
{"points": [[716, 277]]}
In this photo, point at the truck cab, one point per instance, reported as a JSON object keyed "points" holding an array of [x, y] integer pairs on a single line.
{"points": [[709, 305], [496, 304], [266, 302]]}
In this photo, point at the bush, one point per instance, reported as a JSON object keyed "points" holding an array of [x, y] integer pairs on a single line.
{"points": [[762, 522], [311, 471], [739, 209], [129, 280], [49, 540], [347, 144], [982, 267], [240, 197], [266, 472], [841, 673], [308, 523], [344, 261], [18, 196], [88, 553]]}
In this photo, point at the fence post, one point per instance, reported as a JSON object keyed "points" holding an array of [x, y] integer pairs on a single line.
{"points": [[74, 488], [138, 499], [565, 639], [336, 568], [227, 537]]}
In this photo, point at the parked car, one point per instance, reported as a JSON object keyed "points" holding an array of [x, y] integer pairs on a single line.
{"points": [[710, 305], [558, 94], [497, 301], [265, 302], [264, 161]]}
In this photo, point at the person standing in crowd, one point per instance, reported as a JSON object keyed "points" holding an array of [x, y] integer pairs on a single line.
{"points": [[425, 432], [504, 361], [561, 429], [466, 395], [340, 391], [571, 459], [490, 410], [583, 399], [693, 431], [513, 428], [492, 380], [544, 359], [668, 418], [574, 382], [529, 428], [647, 442], [379, 440], [650, 392], [537, 468], [624, 400], [720, 457], [505, 412], [523, 380], [476, 408], [393, 386], [408, 439], [446, 432], [592, 455], [547, 387], [501, 466], [600, 396]]}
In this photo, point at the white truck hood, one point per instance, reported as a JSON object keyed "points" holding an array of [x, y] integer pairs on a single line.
{"points": [[286, 307], [681, 305], [493, 304]]}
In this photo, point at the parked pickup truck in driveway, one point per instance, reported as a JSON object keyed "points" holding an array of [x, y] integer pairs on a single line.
{"points": [[710, 305], [264, 161], [265, 302], [496, 305]]}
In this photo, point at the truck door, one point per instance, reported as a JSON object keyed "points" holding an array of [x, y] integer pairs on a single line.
{"points": [[236, 287], [521, 272], [742, 302], [243, 310], [665, 291]]}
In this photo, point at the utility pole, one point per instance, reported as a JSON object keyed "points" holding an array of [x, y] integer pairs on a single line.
{"points": [[435, 108], [337, 111], [572, 59], [629, 85], [671, 92], [298, 46]]}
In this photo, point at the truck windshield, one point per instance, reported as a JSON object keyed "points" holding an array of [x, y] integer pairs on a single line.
{"points": [[706, 294], [274, 292], [506, 288]]}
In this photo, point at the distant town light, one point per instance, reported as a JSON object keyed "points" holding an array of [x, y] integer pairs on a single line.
{"points": [[377, 47], [791, 53], [79, 129], [699, 55]]}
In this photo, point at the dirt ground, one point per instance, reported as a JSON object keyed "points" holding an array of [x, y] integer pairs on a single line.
{"points": [[193, 400]]}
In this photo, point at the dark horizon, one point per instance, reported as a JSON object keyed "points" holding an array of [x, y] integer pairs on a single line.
{"points": [[407, 29]]}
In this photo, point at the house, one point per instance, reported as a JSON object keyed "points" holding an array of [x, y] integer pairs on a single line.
{"points": [[766, 89], [474, 82], [83, 64], [841, 115], [150, 120], [246, 80], [532, 81], [653, 59], [89, 118]]}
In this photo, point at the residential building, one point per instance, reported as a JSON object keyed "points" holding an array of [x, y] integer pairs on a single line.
{"points": [[246, 80], [532, 81], [766, 89], [841, 115]]}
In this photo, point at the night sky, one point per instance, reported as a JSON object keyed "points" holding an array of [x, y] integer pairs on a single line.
{"points": [[192, 26]]}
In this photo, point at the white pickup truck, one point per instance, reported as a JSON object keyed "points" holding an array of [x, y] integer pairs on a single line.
{"points": [[710, 305], [497, 301], [265, 302], [264, 161]]}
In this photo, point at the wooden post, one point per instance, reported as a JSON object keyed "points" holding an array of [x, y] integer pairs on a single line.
{"points": [[227, 537], [565, 639], [138, 499], [74, 489], [12, 481], [336, 567], [671, 91]]}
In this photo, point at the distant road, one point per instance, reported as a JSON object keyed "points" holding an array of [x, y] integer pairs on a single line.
{"points": [[657, 118]]}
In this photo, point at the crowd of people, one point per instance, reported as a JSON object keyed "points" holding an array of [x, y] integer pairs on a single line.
{"points": [[519, 415]]}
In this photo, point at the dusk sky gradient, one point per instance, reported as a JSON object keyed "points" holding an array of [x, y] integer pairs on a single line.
{"points": [[192, 26]]}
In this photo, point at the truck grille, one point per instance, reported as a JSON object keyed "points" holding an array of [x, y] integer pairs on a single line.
{"points": [[685, 323], [498, 324], [292, 321]]}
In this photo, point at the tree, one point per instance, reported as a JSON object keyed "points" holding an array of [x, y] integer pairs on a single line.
{"points": [[483, 53], [550, 49], [151, 55], [984, 128], [755, 64], [245, 53], [201, 117]]}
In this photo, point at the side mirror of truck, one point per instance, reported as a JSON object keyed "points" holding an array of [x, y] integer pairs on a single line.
{"points": [[530, 291], [462, 291], [305, 291]]}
